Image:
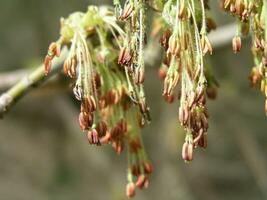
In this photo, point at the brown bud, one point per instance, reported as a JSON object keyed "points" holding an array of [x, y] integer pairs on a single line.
{"points": [[106, 139], [97, 80], [255, 77], [236, 44], [101, 128]]}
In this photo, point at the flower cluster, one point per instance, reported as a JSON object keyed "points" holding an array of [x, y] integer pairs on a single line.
{"points": [[252, 17], [107, 65], [185, 26]]}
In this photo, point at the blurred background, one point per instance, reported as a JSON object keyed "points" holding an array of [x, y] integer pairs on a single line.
{"points": [[44, 155]]}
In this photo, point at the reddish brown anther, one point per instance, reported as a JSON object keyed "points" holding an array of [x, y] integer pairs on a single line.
{"points": [[47, 64], [130, 190], [93, 137], [255, 77], [85, 120], [139, 76], [101, 128], [162, 72], [141, 180], [125, 57], [127, 11], [164, 39], [236, 44], [148, 167], [187, 151], [169, 98]]}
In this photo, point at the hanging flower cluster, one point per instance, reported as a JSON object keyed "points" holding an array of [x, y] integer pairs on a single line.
{"points": [[106, 60], [185, 26], [252, 17], [107, 65]]}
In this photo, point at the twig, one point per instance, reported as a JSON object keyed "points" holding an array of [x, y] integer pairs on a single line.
{"points": [[34, 79], [8, 79]]}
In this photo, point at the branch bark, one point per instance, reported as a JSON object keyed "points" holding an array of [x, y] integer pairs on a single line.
{"points": [[29, 82]]}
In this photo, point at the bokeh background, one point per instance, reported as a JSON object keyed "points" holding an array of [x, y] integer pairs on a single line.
{"points": [[44, 156]]}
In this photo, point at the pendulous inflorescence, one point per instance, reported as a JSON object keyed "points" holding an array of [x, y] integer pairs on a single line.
{"points": [[252, 18], [107, 65], [184, 26], [106, 61]]}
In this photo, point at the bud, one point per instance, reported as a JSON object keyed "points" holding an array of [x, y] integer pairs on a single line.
{"points": [[148, 167], [101, 128], [125, 57], [139, 76], [54, 50], [127, 11], [85, 120], [187, 151]]}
